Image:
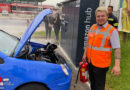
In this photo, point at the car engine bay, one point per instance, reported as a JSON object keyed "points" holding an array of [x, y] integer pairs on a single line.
{"points": [[47, 54]]}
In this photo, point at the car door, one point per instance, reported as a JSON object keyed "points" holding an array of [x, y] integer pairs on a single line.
{"points": [[13, 72], [5, 73]]}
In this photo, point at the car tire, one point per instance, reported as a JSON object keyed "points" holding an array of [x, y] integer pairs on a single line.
{"points": [[34, 86]]}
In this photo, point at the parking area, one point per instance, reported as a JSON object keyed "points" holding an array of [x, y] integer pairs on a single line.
{"points": [[15, 24]]}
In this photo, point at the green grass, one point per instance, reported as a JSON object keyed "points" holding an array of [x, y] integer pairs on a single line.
{"points": [[43, 34], [122, 82]]}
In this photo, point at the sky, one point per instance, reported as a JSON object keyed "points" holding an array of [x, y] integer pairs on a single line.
{"points": [[52, 2]]}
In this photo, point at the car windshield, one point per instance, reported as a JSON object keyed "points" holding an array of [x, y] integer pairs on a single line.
{"points": [[8, 43]]}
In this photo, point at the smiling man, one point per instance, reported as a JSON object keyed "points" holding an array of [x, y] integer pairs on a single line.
{"points": [[102, 38]]}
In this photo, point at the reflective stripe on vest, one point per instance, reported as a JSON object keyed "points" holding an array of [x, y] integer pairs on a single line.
{"points": [[101, 48], [110, 19], [92, 31], [115, 24], [93, 26], [105, 36]]}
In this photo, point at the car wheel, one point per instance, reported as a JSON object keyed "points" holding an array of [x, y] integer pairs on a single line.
{"points": [[33, 87]]}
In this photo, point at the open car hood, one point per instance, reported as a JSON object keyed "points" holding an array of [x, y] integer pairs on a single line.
{"points": [[30, 30]]}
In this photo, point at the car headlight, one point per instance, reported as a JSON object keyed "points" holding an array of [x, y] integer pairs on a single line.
{"points": [[64, 70]]}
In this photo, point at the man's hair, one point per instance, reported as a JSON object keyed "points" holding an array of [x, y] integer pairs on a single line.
{"points": [[111, 7], [101, 9]]}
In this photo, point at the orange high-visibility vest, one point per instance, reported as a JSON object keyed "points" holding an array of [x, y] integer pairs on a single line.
{"points": [[99, 48]]}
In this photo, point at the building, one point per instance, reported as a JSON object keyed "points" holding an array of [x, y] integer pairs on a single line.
{"points": [[22, 6], [112, 3], [35, 2], [116, 6]]}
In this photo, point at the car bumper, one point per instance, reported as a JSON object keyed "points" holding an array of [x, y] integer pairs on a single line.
{"points": [[61, 84]]}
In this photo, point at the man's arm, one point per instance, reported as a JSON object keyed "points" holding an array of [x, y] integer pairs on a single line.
{"points": [[116, 68], [117, 53], [115, 42], [85, 51], [115, 22]]}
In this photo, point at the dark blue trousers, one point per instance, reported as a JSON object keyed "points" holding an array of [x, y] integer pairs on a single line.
{"points": [[97, 77]]}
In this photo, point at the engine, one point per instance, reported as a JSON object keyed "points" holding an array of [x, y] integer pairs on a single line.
{"points": [[47, 54]]}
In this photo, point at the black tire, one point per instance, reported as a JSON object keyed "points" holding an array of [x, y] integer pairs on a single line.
{"points": [[33, 86]]}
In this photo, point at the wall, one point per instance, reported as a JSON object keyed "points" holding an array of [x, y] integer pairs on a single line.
{"points": [[78, 16], [114, 3]]}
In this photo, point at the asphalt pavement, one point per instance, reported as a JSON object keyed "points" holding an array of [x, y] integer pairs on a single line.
{"points": [[16, 25]]}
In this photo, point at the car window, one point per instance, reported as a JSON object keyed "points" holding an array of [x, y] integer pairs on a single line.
{"points": [[8, 43]]}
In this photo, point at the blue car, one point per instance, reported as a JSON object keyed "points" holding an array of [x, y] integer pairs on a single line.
{"points": [[26, 65]]}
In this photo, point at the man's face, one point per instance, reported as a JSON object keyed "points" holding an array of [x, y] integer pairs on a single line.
{"points": [[101, 17], [110, 10]]}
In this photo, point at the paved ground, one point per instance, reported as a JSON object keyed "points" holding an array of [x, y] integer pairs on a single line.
{"points": [[16, 26]]}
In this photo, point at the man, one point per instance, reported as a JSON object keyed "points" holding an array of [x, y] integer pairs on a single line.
{"points": [[111, 18], [57, 25], [48, 26], [102, 37]]}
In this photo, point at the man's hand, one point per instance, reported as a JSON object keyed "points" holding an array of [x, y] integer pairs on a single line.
{"points": [[85, 51], [116, 70], [83, 59]]}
